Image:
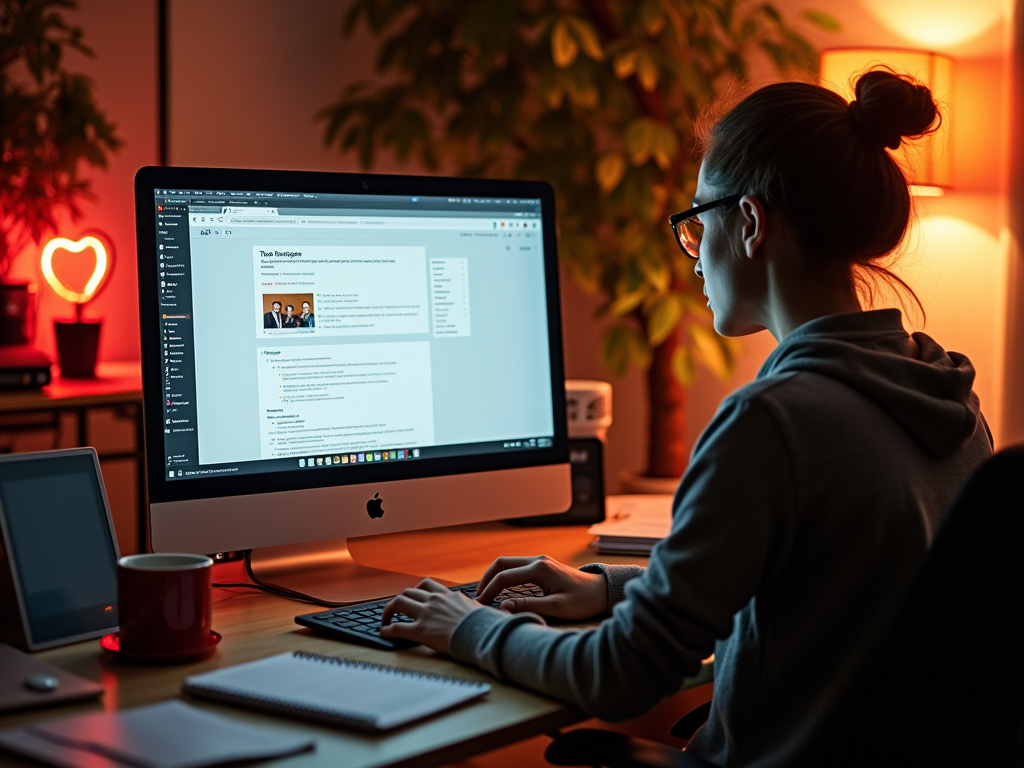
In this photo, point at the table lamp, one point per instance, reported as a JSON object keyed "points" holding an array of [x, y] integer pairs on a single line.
{"points": [[78, 340]]}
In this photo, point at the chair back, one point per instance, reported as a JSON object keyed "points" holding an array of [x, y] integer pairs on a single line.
{"points": [[946, 686]]}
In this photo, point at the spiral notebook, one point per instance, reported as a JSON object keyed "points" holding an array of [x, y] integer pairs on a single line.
{"points": [[356, 694]]}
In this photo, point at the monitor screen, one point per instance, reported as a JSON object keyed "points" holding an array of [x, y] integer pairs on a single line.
{"points": [[311, 331]]}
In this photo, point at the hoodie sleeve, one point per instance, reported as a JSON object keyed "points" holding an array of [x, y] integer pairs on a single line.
{"points": [[732, 520]]}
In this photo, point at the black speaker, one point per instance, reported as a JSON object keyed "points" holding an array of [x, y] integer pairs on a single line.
{"points": [[586, 456]]}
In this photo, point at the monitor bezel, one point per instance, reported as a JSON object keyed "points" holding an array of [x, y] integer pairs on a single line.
{"points": [[151, 178]]}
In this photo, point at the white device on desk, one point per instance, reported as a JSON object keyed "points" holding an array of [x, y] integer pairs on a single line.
{"points": [[335, 355], [60, 550]]}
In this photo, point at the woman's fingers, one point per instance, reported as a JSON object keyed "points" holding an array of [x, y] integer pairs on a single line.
{"points": [[499, 565], [401, 629], [409, 600], [526, 574], [429, 585], [549, 605]]}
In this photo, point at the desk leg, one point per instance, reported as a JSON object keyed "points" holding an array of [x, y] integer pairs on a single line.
{"points": [[82, 417]]}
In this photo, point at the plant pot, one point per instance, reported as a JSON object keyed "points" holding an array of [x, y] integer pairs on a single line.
{"points": [[16, 304], [634, 482], [77, 345]]}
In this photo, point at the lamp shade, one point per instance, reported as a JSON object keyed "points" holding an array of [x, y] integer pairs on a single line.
{"points": [[928, 161]]}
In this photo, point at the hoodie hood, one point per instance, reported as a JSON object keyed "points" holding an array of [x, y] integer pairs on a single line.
{"points": [[924, 388]]}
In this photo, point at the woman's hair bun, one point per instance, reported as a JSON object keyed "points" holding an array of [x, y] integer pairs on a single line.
{"points": [[889, 106]]}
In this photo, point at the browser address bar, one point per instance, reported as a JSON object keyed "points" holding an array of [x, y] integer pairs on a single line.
{"points": [[264, 221], [360, 222]]}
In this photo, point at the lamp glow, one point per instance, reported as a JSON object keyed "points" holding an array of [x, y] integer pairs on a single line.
{"points": [[95, 280], [938, 23], [927, 161]]}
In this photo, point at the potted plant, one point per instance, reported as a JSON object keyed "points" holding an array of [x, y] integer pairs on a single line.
{"points": [[599, 98], [49, 124]]}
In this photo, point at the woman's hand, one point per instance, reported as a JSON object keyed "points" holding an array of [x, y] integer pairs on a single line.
{"points": [[568, 593], [434, 610]]}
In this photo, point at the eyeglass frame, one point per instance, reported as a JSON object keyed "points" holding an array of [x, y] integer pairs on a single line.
{"points": [[681, 218]]}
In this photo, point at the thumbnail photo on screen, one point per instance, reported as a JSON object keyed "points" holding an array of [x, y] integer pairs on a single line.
{"points": [[288, 311]]}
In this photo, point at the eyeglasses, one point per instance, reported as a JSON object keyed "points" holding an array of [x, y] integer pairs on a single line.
{"points": [[688, 228]]}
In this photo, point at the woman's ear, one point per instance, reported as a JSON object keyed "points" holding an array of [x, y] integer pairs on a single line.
{"points": [[754, 227]]}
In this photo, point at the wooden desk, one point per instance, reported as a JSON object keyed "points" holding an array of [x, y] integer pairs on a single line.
{"points": [[117, 386], [255, 625]]}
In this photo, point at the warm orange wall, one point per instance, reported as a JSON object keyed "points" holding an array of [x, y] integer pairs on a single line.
{"points": [[122, 33]]}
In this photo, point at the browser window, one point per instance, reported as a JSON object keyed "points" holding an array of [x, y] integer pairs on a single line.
{"points": [[302, 331]]}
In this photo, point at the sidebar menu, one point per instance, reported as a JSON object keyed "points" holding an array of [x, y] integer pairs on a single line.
{"points": [[177, 340]]}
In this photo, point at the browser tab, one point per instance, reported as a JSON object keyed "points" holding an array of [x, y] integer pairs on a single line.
{"points": [[246, 211]]}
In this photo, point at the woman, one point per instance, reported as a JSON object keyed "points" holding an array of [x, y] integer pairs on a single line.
{"points": [[812, 496]]}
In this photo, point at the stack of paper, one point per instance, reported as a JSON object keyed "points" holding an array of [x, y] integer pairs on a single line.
{"points": [[633, 524]]}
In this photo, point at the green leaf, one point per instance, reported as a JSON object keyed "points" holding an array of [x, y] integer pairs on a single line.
{"points": [[683, 367], [821, 19], [651, 16], [662, 319], [585, 34], [624, 65], [640, 353], [564, 48], [627, 302], [647, 71], [615, 349], [639, 138], [610, 169], [655, 268]]}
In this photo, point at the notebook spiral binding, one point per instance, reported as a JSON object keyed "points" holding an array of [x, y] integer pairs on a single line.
{"points": [[399, 671]]}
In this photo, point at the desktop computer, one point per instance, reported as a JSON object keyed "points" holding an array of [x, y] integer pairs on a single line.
{"points": [[331, 355]]}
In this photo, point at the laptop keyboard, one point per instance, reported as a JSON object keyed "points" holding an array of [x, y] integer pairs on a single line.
{"points": [[360, 623]]}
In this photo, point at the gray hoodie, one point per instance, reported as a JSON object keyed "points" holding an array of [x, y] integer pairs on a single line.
{"points": [[808, 506]]}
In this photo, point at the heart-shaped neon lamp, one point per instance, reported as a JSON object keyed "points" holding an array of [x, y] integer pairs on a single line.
{"points": [[76, 246]]}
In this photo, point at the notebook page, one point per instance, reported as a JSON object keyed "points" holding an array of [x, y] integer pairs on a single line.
{"points": [[384, 698], [643, 517]]}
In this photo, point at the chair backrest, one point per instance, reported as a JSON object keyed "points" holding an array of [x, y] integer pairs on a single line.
{"points": [[946, 686]]}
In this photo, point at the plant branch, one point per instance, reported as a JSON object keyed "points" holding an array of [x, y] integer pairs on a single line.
{"points": [[650, 102]]}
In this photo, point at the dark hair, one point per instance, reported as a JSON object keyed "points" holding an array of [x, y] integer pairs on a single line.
{"points": [[822, 163], [290, 306]]}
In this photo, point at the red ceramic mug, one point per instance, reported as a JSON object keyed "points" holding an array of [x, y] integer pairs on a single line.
{"points": [[165, 604]]}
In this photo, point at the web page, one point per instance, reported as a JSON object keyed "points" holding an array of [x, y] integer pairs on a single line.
{"points": [[327, 335]]}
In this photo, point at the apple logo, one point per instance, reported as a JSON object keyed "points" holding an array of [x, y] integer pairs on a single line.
{"points": [[375, 507]]}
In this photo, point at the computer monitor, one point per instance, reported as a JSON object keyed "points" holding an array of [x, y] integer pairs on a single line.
{"points": [[331, 355]]}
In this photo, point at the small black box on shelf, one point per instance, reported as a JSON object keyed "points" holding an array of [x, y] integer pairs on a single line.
{"points": [[22, 366], [586, 457]]}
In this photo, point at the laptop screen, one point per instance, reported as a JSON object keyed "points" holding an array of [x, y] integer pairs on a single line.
{"points": [[310, 330]]}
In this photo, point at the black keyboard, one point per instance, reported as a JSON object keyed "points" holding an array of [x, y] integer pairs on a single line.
{"points": [[360, 623]]}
